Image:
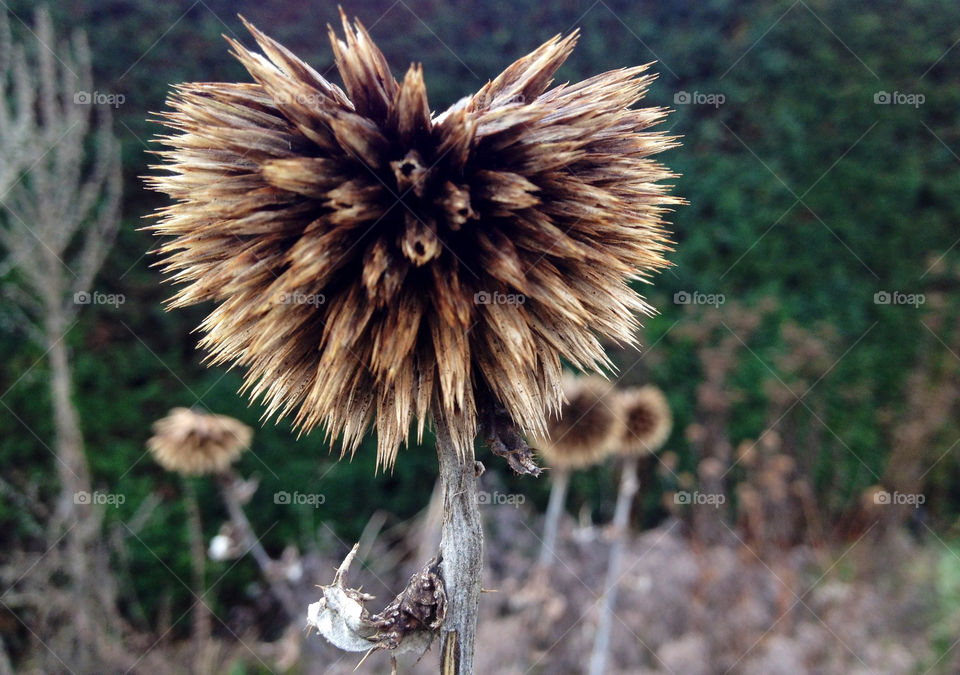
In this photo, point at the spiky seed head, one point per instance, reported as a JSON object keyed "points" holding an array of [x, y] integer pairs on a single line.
{"points": [[194, 443], [588, 426], [369, 259], [647, 420]]}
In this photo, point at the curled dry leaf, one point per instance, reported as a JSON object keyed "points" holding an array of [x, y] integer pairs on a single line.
{"points": [[408, 624]]}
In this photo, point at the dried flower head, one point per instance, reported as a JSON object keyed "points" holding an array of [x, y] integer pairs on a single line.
{"points": [[194, 443], [588, 426], [368, 258], [647, 420]]}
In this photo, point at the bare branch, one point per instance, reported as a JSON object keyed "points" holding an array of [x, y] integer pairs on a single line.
{"points": [[59, 202]]}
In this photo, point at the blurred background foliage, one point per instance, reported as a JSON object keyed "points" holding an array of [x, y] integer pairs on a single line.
{"points": [[806, 199]]}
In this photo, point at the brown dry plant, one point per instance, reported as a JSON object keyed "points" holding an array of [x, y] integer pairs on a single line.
{"points": [[647, 420], [371, 260], [584, 432], [194, 443], [587, 427]]}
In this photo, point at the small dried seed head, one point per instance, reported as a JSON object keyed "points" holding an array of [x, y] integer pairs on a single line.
{"points": [[647, 420], [588, 426], [194, 443]]}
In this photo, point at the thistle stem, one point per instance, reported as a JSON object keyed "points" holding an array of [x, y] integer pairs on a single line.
{"points": [[560, 479], [608, 601], [461, 552], [198, 558], [239, 519]]}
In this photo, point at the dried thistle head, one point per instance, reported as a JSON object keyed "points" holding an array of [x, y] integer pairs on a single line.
{"points": [[369, 259], [588, 426], [194, 443], [647, 420]]}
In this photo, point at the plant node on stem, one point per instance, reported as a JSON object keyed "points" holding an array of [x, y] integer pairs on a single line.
{"points": [[442, 598]]}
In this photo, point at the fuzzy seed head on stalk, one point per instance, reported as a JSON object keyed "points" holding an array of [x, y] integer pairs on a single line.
{"points": [[647, 420], [588, 426], [193, 443], [371, 260]]}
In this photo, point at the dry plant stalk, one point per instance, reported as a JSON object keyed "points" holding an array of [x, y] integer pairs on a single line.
{"points": [[372, 261], [59, 212], [17, 97], [194, 443], [202, 619], [645, 426]]}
